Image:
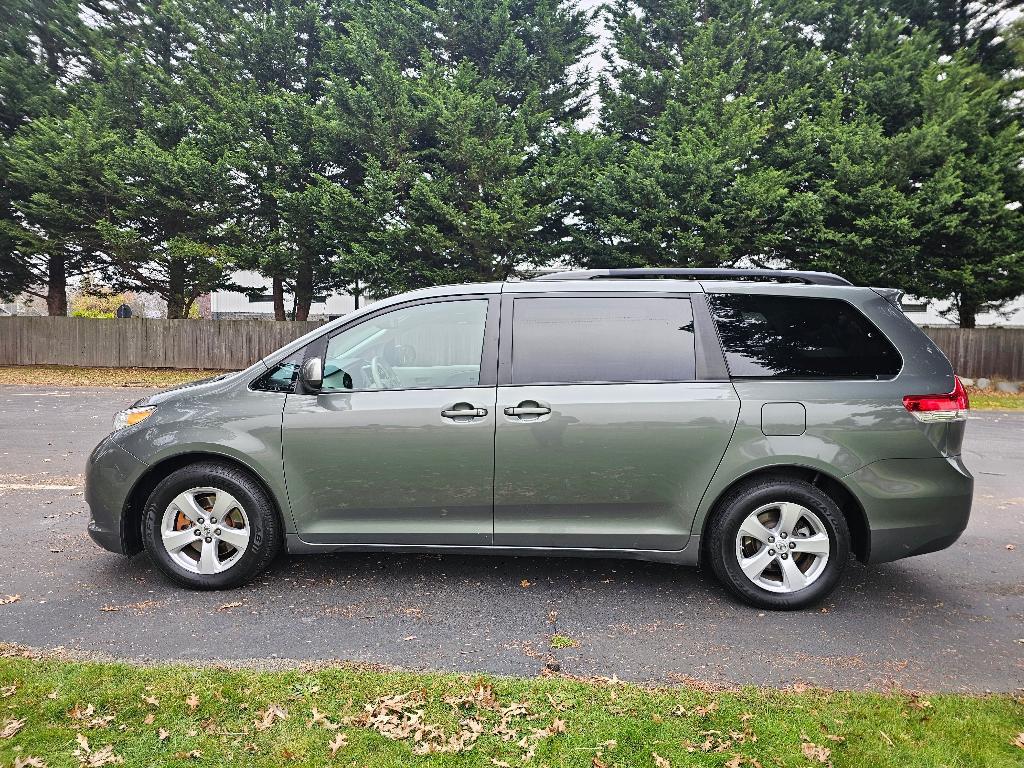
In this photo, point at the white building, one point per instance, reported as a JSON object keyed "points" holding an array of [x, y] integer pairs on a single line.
{"points": [[234, 304]]}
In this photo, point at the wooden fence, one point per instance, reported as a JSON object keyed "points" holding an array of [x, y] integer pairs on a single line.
{"points": [[209, 344], [992, 352], [234, 344]]}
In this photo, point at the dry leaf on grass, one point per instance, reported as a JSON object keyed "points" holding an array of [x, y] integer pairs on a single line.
{"points": [[8, 599], [192, 702], [29, 762], [10, 728], [1019, 740], [153, 701], [195, 754], [319, 718], [163, 734], [150, 719], [8, 690], [815, 752], [660, 761], [95, 758], [265, 717], [339, 741]]}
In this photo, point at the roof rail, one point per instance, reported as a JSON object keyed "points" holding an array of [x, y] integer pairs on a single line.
{"points": [[791, 275]]}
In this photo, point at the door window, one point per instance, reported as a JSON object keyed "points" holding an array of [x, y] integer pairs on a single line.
{"points": [[598, 340], [425, 346], [800, 337]]}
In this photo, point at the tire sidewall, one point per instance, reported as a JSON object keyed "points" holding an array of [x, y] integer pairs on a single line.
{"points": [[264, 531], [736, 509]]}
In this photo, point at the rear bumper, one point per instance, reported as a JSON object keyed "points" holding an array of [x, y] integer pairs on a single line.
{"points": [[110, 474], [913, 506]]}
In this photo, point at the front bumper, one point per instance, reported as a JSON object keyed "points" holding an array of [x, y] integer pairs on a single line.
{"points": [[913, 506], [110, 475]]}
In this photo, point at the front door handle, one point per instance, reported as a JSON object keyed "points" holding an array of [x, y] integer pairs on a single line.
{"points": [[462, 413], [528, 410]]}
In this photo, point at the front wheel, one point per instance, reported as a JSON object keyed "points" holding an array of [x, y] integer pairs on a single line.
{"points": [[210, 526], [779, 543]]}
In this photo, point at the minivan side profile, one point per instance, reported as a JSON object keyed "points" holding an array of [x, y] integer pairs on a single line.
{"points": [[766, 424]]}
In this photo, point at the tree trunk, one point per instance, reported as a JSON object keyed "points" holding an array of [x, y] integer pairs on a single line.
{"points": [[57, 287], [356, 293], [175, 295], [967, 311], [278, 292], [303, 291], [968, 315]]}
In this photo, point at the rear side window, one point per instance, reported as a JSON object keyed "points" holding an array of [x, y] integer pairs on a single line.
{"points": [[800, 337], [579, 340]]}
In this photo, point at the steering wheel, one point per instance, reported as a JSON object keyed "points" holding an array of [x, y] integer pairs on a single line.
{"points": [[384, 376]]}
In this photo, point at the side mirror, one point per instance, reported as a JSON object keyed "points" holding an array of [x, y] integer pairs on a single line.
{"points": [[312, 374]]}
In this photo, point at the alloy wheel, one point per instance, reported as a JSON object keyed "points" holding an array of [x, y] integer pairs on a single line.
{"points": [[782, 547], [205, 530]]}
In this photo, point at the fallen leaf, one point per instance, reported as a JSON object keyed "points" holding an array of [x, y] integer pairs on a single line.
{"points": [[597, 762], [660, 761], [192, 702], [8, 599], [319, 718], [525, 583], [195, 754], [150, 719], [163, 734], [340, 740], [499, 763], [153, 701], [1011, 547], [814, 752], [266, 717], [95, 758], [29, 762], [228, 606], [10, 728], [8, 690], [1019, 741]]}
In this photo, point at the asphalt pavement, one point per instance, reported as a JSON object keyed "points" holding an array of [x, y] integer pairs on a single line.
{"points": [[952, 620]]}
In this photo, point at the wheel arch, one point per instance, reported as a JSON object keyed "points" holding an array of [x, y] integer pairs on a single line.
{"points": [[853, 511], [131, 518]]}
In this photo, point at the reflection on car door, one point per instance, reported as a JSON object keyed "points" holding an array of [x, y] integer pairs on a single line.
{"points": [[604, 437], [398, 447]]}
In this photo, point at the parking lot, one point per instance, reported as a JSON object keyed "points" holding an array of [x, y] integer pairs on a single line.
{"points": [[953, 620]]}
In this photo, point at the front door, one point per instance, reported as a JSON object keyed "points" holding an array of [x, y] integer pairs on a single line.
{"points": [[605, 438], [398, 446]]}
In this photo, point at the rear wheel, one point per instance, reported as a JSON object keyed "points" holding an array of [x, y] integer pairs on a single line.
{"points": [[210, 526], [779, 543]]}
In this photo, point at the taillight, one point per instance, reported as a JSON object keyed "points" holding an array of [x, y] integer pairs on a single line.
{"points": [[939, 407]]}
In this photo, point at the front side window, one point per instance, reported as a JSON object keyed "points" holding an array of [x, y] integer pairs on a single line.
{"points": [[615, 340], [280, 378], [800, 337], [424, 346]]}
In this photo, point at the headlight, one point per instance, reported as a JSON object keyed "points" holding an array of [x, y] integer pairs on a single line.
{"points": [[131, 416]]}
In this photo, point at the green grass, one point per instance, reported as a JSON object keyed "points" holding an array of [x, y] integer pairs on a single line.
{"points": [[74, 376], [576, 720], [991, 400], [563, 641]]}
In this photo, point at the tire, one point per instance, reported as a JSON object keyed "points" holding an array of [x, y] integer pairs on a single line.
{"points": [[214, 553], [773, 503]]}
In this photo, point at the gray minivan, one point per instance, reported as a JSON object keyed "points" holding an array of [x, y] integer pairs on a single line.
{"points": [[765, 423]]}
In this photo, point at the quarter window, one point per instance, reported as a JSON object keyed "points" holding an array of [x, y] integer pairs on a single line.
{"points": [[579, 340], [800, 337], [424, 346]]}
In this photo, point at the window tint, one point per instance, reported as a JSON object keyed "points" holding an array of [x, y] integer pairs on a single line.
{"points": [[423, 346], [800, 337], [567, 340]]}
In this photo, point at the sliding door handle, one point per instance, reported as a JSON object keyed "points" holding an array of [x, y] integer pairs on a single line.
{"points": [[463, 413], [528, 410]]}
